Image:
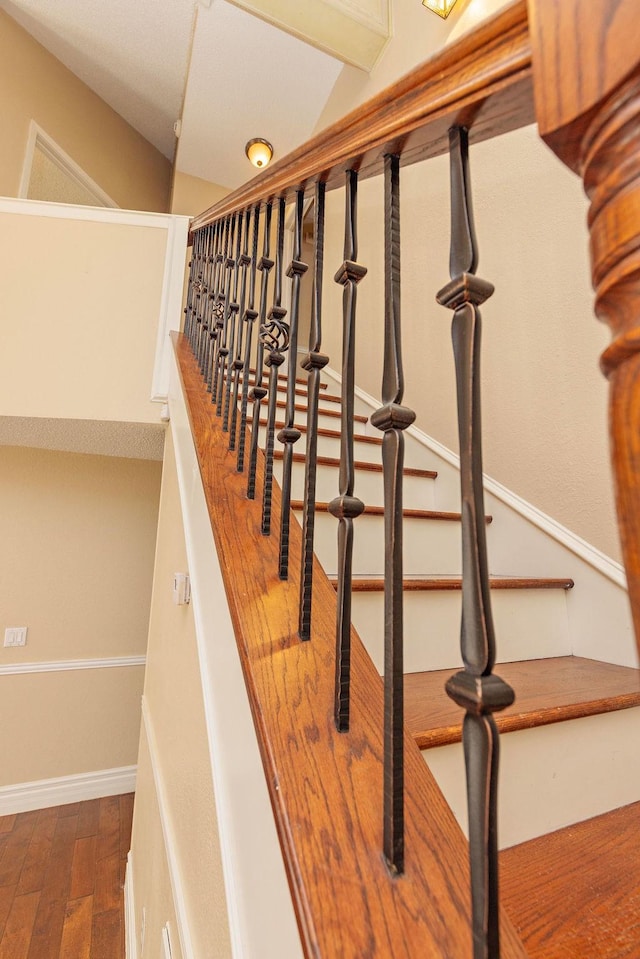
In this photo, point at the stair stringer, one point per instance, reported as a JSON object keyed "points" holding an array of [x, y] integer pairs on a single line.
{"points": [[599, 619], [261, 916]]}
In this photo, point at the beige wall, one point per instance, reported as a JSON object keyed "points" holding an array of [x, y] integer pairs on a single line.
{"points": [[192, 195], [78, 535], [80, 342], [180, 750], [544, 416], [34, 85]]}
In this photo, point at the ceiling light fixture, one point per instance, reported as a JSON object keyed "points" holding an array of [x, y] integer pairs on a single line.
{"points": [[442, 7], [259, 152]]}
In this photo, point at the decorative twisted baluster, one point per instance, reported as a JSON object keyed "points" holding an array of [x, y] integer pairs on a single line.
{"points": [[222, 311], [475, 688], [189, 312], [229, 312], [346, 506], [196, 287], [250, 317], [238, 363], [314, 362], [393, 418], [234, 311], [290, 434], [258, 392], [274, 335]]}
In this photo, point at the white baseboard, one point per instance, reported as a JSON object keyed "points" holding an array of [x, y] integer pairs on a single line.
{"points": [[130, 938], [22, 797]]}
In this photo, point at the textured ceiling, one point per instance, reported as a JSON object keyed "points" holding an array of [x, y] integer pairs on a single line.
{"points": [[248, 79], [133, 53], [144, 441]]}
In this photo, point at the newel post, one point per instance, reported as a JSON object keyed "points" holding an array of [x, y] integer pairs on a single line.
{"points": [[586, 70]]}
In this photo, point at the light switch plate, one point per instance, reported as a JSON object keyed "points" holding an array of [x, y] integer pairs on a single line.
{"points": [[15, 636]]}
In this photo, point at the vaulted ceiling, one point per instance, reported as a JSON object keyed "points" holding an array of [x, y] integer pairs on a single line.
{"points": [[224, 67]]}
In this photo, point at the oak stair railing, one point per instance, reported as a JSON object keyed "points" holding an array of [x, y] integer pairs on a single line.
{"points": [[498, 78]]}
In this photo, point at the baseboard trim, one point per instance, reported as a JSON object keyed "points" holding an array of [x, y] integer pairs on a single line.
{"points": [[594, 557], [130, 938], [62, 665], [42, 793]]}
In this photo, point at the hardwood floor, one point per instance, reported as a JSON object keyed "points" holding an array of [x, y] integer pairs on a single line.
{"points": [[62, 879]]}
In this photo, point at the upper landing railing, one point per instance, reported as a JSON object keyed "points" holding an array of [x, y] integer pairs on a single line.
{"points": [[573, 67]]}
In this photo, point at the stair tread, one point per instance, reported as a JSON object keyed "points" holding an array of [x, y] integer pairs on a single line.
{"points": [[407, 513], [547, 691], [358, 464], [301, 390], [323, 431], [374, 584], [357, 418], [302, 380], [575, 893]]}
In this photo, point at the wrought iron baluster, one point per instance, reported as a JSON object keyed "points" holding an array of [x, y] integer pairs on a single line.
{"points": [[234, 310], [245, 261], [274, 334], [223, 349], [215, 238], [476, 688], [393, 419], [250, 317], [290, 434], [208, 295], [218, 299], [203, 298], [224, 282], [189, 308], [313, 362], [258, 392], [197, 288], [345, 507]]}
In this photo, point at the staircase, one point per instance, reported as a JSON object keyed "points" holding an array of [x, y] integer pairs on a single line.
{"points": [[552, 689]]}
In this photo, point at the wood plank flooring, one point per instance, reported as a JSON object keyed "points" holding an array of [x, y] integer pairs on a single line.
{"points": [[62, 880]]}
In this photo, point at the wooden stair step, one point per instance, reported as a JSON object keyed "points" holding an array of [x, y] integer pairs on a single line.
{"points": [[335, 434], [575, 893], [303, 391], [379, 511], [357, 418], [373, 584], [283, 377], [358, 464], [547, 691]]}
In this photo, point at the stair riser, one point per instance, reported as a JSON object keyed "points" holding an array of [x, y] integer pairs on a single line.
{"points": [[418, 491], [430, 546], [330, 446], [554, 775], [529, 624]]}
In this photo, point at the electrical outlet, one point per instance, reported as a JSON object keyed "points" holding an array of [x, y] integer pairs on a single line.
{"points": [[15, 636]]}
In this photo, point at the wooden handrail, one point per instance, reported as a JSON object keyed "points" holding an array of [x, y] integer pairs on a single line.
{"points": [[483, 81]]}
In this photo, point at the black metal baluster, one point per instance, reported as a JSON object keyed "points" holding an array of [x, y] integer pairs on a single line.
{"points": [[234, 310], [290, 434], [224, 282], [275, 336], [250, 316], [258, 392], [346, 506], [196, 288], [314, 362], [229, 312], [476, 688], [208, 295], [215, 236], [218, 300], [245, 261], [189, 309], [393, 418], [203, 298]]}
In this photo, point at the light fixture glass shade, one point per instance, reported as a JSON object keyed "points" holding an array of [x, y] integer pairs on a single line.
{"points": [[442, 7], [259, 152]]}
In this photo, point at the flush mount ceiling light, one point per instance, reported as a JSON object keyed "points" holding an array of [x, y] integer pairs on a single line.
{"points": [[259, 152], [442, 7]]}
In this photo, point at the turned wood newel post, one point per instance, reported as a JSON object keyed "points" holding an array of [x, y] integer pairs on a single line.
{"points": [[586, 69]]}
